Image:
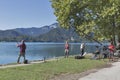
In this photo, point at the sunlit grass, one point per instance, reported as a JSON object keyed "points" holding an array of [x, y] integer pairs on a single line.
{"points": [[44, 71]]}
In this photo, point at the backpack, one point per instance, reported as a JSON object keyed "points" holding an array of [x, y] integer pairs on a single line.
{"points": [[26, 62]]}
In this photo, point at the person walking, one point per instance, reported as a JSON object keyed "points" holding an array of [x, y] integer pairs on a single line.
{"points": [[22, 47], [66, 49], [82, 47]]}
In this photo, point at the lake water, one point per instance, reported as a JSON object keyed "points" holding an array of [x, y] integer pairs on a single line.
{"points": [[37, 50]]}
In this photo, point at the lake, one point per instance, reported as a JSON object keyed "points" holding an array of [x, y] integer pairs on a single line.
{"points": [[38, 50]]}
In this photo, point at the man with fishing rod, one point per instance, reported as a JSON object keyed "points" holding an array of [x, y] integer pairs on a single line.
{"points": [[22, 47]]}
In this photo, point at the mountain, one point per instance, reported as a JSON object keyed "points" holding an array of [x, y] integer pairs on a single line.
{"points": [[9, 33], [59, 35], [36, 31], [51, 33]]}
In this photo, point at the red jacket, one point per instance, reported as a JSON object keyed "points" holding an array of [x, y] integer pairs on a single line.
{"points": [[22, 48], [111, 48]]}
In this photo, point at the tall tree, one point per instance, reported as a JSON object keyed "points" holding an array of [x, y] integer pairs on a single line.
{"points": [[99, 16]]}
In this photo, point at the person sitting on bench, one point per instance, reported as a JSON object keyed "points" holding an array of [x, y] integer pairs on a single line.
{"points": [[96, 53]]}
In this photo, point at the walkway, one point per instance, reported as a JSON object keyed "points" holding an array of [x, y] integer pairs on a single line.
{"points": [[111, 73]]}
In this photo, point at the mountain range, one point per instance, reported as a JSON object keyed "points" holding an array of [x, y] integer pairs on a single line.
{"points": [[51, 33]]}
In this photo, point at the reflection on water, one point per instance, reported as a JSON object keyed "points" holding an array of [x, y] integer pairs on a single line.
{"points": [[36, 50]]}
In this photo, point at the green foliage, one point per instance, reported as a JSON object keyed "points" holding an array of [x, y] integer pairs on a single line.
{"points": [[99, 16]]}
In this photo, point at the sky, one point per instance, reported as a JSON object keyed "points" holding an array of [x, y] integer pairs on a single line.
{"points": [[25, 14]]}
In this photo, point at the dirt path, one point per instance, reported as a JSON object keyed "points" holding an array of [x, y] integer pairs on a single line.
{"points": [[22, 64], [16, 65], [110, 72], [73, 76]]}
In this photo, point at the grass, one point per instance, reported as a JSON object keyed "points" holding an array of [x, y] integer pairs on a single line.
{"points": [[44, 71]]}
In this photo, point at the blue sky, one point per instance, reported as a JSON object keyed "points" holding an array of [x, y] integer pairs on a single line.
{"points": [[25, 13]]}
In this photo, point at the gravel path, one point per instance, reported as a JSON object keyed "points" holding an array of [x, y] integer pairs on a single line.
{"points": [[112, 73], [22, 64], [16, 65]]}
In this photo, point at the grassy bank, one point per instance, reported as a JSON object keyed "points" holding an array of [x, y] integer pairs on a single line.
{"points": [[44, 71]]}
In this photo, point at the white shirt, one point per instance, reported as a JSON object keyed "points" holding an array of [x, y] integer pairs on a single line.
{"points": [[82, 46]]}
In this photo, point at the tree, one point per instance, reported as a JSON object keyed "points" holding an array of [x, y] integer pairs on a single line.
{"points": [[99, 16]]}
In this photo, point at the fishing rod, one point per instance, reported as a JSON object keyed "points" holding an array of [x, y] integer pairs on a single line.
{"points": [[88, 37], [94, 40]]}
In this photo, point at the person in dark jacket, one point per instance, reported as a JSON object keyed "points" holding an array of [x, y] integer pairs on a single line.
{"points": [[97, 53], [22, 47]]}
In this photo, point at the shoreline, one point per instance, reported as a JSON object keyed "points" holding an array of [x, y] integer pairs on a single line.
{"points": [[40, 61], [43, 59], [37, 61], [29, 63], [58, 61]]}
